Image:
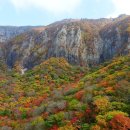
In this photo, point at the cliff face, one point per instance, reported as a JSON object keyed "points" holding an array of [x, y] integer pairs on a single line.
{"points": [[83, 42], [116, 39]]}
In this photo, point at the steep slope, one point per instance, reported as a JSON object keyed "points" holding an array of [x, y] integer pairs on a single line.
{"points": [[22, 96], [116, 38], [9, 32], [82, 42], [36, 101], [67, 39]]}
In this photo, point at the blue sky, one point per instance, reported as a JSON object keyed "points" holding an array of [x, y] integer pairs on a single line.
{"points": [[44, 12]]}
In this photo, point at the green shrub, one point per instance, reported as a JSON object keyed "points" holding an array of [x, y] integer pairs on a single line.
{"points": [[85, 126], [5, 112], [74, 104]]}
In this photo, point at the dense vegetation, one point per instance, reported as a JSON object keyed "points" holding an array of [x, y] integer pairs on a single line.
{"points": [[57, 96]]}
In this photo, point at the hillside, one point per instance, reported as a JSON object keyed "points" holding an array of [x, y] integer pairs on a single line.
{"points": [[58, 96], [72, 74]]}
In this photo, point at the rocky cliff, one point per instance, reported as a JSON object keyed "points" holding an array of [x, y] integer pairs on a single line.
{"points": [[84, 42]]}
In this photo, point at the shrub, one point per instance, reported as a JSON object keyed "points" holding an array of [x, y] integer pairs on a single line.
{"points": [[6, 128], [61, 104], [24, 115], [119, 106], [74, 104], [67, 127], [95, 127], [111, 114], [38, 110], [5, 112], [56, 119], [102, 104], [79, 95], [120, 122], [85, 126], [37, 120]]}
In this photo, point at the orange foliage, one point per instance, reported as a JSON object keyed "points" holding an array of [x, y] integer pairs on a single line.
{"points": [[27, 105], [38, 101], [120, 122], [109, 90], [96, 127], [102, 104], [104, 84], [79, 95], [45, 115]]}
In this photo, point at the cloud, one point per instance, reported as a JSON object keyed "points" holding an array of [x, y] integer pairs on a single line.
{"points": [[121, 7], [52, 6]]}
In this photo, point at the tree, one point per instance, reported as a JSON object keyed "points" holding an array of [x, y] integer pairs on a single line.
{"points": [[120, 122], [96, 127], [102, 104], [79, 95]]}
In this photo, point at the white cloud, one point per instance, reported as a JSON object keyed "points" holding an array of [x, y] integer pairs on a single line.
{"points": [[121, 7], [52, 6]]}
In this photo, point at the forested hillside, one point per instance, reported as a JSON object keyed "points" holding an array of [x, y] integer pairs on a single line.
{"points": [[58, 96]]}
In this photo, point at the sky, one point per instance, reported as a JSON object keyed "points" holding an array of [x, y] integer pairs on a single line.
{"points": [[44, 12]]}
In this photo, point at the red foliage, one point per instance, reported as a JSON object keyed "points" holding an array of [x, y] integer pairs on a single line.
{"points": [[55, 127], [39, 100], [36, 101], [27, 105], [90, 115], [88, 111], [120, 122], [74, 120]]}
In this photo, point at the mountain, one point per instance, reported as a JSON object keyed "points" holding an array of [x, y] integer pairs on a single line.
{"points": [[70, 75], [8, 32], [85, 42]]}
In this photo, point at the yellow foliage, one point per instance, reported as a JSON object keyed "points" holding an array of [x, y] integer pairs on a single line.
{"points": [[67, 127], [102, 104], [96, 127]]}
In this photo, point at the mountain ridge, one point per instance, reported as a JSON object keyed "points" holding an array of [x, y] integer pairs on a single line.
{"points": [[84, 42]]}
